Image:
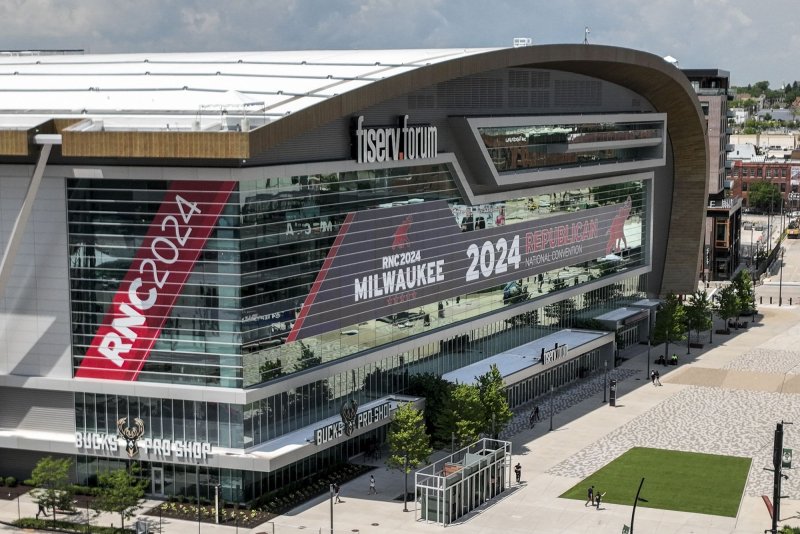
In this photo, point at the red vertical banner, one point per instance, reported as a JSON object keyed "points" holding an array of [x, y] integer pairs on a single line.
{"points": [[145, 298]]}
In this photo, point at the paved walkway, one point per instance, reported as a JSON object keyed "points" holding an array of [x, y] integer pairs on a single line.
{"points": [[723, 399]]}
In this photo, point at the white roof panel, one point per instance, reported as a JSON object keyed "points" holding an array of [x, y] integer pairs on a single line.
{"points": [[189, 83]]}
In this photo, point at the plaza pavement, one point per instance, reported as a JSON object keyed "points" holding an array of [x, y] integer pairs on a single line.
{"points": [[722, 399]]}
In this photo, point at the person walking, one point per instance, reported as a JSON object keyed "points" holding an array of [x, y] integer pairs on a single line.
{"points": [[658, 378], [653, 377], [518, 472], [532, 418], [536, 413], [41, 511], [336, 498], [372, 485], [599, 498], [589, 496]]}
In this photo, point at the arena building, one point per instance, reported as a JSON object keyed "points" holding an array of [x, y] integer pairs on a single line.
{"points": [[226, 266]]}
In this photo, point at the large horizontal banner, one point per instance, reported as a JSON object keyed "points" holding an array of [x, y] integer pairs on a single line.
{"points": [[389, 260], [174, 241]]}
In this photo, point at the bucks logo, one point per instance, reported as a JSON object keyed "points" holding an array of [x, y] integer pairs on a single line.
{"points": [[349, 412], [131, 435]]}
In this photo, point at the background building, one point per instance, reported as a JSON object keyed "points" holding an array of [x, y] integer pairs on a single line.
{"points": [[235, 261], [724, 212]]}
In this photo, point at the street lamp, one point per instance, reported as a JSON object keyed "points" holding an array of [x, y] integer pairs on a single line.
{"points": [[605, 380], [780, 280], [551, 404], [711, 330], [331, 490]]}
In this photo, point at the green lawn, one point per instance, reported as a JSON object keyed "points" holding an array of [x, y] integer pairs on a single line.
{"points": [[674, 480]]}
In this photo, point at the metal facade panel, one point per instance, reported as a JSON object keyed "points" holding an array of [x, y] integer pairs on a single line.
{"points": [[41, 410]]}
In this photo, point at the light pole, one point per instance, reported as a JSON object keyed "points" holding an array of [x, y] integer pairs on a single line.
{"points": [[780, 280], [605, 380], [197, 492], [331, 490], [711, 330], [405, 485], [649, 343], [551, 404]]}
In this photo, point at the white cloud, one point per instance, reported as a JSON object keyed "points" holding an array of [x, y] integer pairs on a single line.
{"points": [[752, 42]]}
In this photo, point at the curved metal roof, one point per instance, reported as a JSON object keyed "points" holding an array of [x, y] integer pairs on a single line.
{"points": [[269, 84], [358, 80]]}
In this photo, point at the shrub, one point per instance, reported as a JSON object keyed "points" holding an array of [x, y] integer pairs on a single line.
{"points": [[11, 482], [2, 482]]}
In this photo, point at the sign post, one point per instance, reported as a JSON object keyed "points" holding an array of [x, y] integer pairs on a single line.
{"points": [[612, 392]]}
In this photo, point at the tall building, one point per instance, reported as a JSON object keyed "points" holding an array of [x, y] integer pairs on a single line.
{"points": [[724, 212], [227, 266]]}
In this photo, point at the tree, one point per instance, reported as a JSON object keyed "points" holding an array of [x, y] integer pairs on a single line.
{"points": [[743, 285], [318, 392], [436, 391], [409, 444], [51, 479], [121, 492], [698, 312], [670, 322], [728, 305], [764, 196], [491, 391], [270, 370], [464, 415], [562, 310]]}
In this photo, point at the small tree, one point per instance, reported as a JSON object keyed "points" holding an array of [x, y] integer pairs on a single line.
{"points": [[463, 415], [491, 391], [562, 310], [728, 304], [669, 322], [409, 444], [437, 392], [121, 492], [743, 285], [270, 369], [51, 479], [698, 312]]}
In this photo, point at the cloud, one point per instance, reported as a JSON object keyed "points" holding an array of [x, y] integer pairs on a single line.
{"points": [[753, 44]]}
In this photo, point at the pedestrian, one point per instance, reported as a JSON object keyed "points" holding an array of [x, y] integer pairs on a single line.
{"points": [[532, 418], [589, 496], [336, 498], [372, 485], [536, 413], [653, 377], [518, 472], [658, 378], [599, 498], [41, 511]]}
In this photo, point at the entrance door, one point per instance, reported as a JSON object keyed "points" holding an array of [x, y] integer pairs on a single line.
{"points": [[157, 481]]}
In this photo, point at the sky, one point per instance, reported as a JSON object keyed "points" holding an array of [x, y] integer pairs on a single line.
{"points": [[753, 41]]}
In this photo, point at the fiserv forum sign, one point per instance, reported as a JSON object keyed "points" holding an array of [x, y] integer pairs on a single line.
{"points": [[389, 260]]}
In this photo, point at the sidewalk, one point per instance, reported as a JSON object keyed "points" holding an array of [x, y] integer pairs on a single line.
{"points": [[717, 400], [724, 398]]}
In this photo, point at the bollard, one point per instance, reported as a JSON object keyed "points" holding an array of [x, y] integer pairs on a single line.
{"points": [[761, 300], [770, 300], [790, 301]]}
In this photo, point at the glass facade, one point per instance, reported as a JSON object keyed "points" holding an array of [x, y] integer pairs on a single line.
{"points": [[541, 147], [200, 340], [229, 325]]}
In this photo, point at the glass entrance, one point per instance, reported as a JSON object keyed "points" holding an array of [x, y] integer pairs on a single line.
{"points": [[157, 481]]}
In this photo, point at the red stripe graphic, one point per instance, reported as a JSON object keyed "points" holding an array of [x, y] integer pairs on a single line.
{"points": [[155, 280], [298, 324]]}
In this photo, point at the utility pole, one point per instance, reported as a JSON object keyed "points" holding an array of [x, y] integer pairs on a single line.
{"points": [[777, 459]]}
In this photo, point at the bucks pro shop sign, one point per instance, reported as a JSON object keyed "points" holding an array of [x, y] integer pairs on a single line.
{"points": [[389, 260], [352, 420]]}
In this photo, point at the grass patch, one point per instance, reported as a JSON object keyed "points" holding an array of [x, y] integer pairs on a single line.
{"points": [[674, 480]]}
